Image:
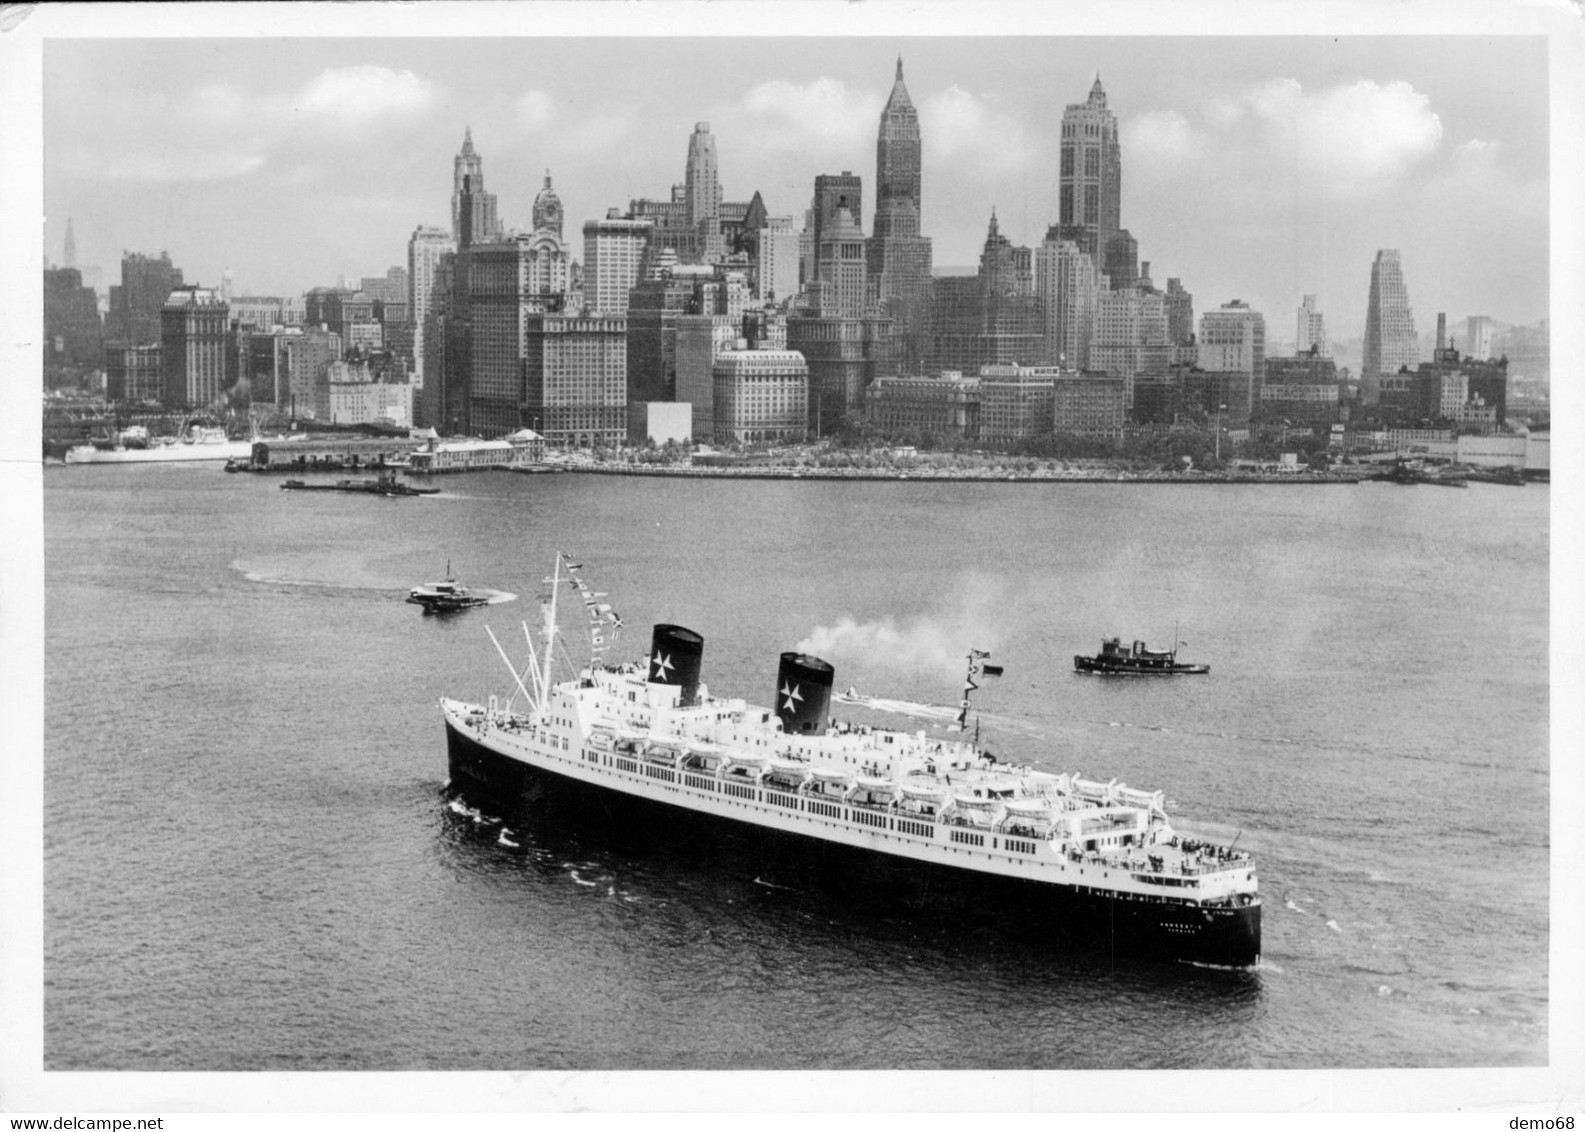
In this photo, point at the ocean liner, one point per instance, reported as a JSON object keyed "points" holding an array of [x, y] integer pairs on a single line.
{"points": [[645, 745]]}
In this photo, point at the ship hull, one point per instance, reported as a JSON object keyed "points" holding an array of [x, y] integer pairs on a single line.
{"points": [[1066, 914], [1102, 667], [160, 453]]}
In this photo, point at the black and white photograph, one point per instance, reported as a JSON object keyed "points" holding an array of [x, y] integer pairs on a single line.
{"points": [[807, 557]]}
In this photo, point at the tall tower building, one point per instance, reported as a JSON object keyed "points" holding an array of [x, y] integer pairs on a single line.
{"points": [[777, 256], [899, 257], [547, 209], [468, 172], [1477, 336], [425, 247], [136, 304], [69, 252], [897, 165], [1311, 330], [1180, 314], [1390, 342], [1091, 179], [702, 192], [1066, 282], [194, 325]]}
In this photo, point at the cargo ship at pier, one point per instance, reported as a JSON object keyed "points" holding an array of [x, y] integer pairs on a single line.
{"points": [[935, 819]]}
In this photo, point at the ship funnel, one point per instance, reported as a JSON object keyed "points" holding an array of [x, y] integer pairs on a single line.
{"points": [[803, 693], [674, 657]]}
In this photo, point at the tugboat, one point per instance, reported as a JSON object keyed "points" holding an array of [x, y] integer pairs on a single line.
{"points": [[932, 822], [446, 597], [1115, 660]]}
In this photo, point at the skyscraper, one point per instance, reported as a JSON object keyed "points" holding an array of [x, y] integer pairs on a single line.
{"points": [[1233, 342], [1091, 178], [424, 249], [613, 256], [469, 168], [194, 347], [702, 189], [1477, 336], [135, 304], [1311, 330], [69, 252], [899, 257], [898, 187], [1390, 342], [1066, 282]]}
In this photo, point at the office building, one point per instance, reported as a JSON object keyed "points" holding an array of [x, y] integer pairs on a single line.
{"points": [[776, 260], [702, 194], [760, 397], [196, 351], [574, 378], [1015, 401], [1478, 337], [468, 179], [613, 258], [1129, 336], [1390, 342], [1310, 333], [992, 318], [1088, 404], [73, 333], [1089, 195], [899, 253], [136, 304], [134, 374], [947, 406], [1233, 342]]}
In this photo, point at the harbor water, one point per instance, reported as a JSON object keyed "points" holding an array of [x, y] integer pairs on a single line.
{"points": [[251, 861]]}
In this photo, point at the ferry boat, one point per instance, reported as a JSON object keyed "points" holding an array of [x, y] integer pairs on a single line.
{"points": [[645, 746], [447, 596], [1141, 660]]}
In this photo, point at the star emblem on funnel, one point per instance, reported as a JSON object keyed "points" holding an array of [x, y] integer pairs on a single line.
{"points": [[790, 690], [663, 666]]}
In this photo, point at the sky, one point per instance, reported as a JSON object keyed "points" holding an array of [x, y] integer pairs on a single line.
{"points": [[1257, 167]]}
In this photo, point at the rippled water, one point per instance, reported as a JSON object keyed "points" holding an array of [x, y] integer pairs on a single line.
{"points": [[250, 861]]}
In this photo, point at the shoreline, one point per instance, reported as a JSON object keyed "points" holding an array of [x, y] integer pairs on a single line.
{"points": [[967, 476]]}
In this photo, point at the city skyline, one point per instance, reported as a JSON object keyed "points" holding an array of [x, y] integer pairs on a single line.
{"points": [[294, 162]]}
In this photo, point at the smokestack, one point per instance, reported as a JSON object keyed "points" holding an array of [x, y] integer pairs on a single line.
{"points": [[675, 655], [803, 693]]}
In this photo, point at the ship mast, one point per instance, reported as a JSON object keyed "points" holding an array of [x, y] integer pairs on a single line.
{"points": [[549, 632]]}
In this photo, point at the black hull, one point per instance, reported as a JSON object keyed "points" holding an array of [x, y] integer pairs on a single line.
{"points": [[1223, 937]]}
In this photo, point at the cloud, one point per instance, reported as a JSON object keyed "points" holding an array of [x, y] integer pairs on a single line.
{"points": [[960, 126], [1359, 135], [171, 167], [534, 109], [1344, 140], [823, 110], [1161, 136], [364, 95]]}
